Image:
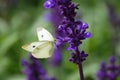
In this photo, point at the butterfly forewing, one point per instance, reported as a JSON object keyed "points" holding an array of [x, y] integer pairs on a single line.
{"points": [[44, 35], [44, 51]]}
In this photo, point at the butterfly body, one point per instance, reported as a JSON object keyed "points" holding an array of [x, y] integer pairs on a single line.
{"points": [[44, 47]]}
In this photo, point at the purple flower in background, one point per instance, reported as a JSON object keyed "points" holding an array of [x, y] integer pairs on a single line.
{"points": [[109, 72], [73, 31], [34, 70], [113, 17], [114, 20], [56, 19], [56, 59]]}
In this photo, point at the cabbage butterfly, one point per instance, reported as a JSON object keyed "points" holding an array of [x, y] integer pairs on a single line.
{"points": [[44, 47]]}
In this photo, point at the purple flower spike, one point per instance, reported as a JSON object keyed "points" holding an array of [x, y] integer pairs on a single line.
{"points": [[49, 4], [109, 72], [34, 70], [75, 58], [74, 32]]}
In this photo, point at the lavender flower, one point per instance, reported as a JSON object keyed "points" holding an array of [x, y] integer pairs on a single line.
{"points": [[34, 70], [113, 17], [115, 23], [75, 58], [49, 4], [74, 31], [56, 19], [56, 59], [109, 72]]}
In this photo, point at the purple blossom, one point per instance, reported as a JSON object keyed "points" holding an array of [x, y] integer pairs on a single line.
{"points": [[115, 23], [49, 4], [56, 59], [113, 17], [34, 70], [74, 31], [109, 72], [56, 19], [75, 59]]}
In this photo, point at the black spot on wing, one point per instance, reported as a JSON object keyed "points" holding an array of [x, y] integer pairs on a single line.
{"points": [[42, 36], [33, 46]]}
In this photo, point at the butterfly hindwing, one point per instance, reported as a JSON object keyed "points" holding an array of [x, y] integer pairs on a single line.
{"points": [[44, 51]]}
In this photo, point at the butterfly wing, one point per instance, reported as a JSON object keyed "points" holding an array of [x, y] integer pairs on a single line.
{"points": [[44, 35], [44, 51], [43, 48]]}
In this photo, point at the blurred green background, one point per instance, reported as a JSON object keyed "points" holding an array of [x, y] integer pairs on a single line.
{"points": [[18, 22]]}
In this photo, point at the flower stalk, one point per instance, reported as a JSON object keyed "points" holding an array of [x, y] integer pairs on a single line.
{"points": [[80, 66]]}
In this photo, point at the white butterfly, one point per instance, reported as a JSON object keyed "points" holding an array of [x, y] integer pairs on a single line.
{"points": [[44, 47]]}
